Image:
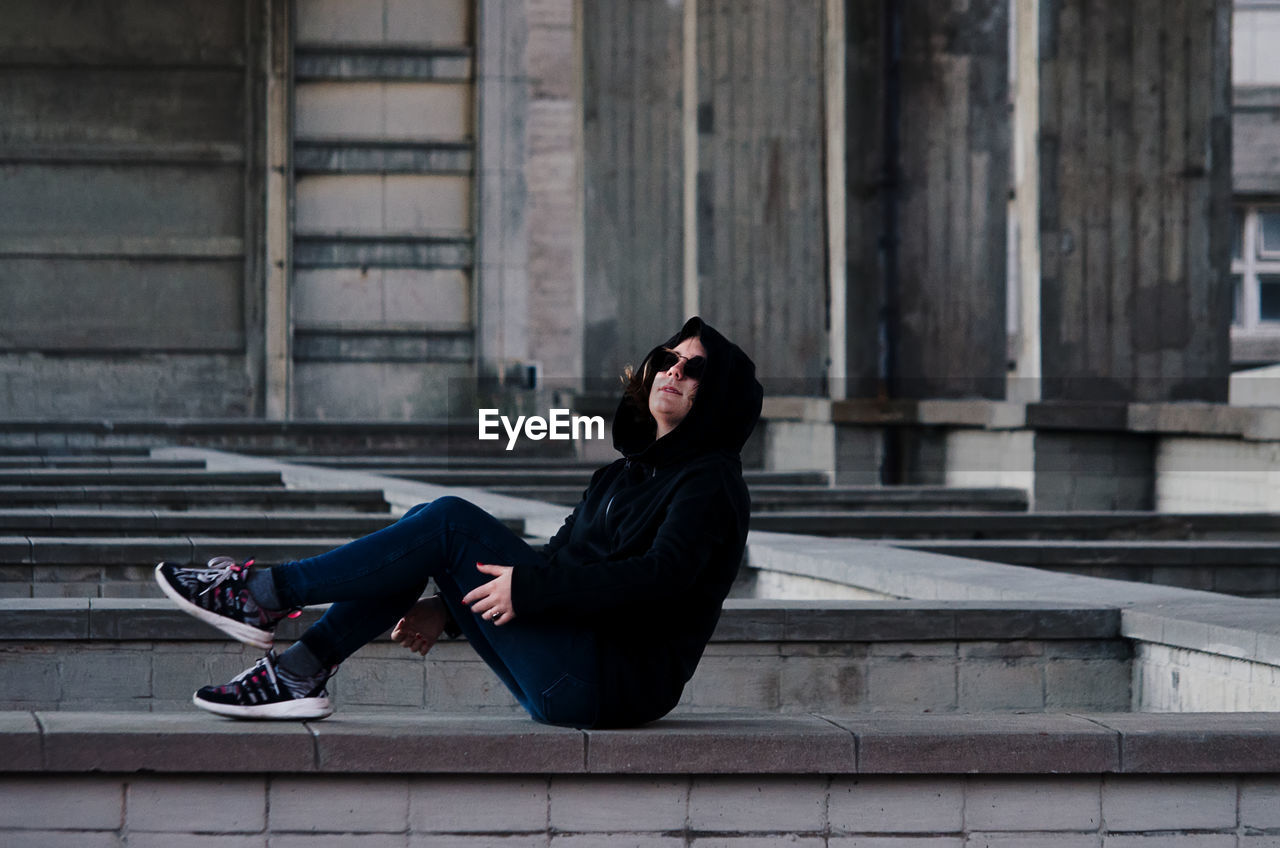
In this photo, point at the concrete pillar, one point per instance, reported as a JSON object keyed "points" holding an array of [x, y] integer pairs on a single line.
{"points": [[1135, 182], [928, 145]]}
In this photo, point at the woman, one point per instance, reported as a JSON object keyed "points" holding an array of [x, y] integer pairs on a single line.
{"points": [[601, 627]]}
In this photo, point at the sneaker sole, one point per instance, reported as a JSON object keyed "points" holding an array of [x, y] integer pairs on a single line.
{"points": [[237, 630], [299, 708]]}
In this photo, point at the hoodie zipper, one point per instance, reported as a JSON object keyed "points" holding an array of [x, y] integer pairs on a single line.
{"points": [[626, 468]]}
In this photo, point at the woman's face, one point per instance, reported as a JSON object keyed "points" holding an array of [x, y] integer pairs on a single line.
{"points": [[671, 396]]}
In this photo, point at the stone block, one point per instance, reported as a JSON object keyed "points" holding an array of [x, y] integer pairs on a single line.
{"points": [[896, 805], [790, 841], [20, 741], [432, 840], [392, 682], [922, 684], [1132, 803], [1087, 684], [740, 682], [61, 839], [746, 804], [1045, 804], [1169, 840], [621, 804], [118, 675], [996, 685], [458, 686], [823, 683], [1034, 840], [482, 804], [30, 675], [338, 804], [453, 744], [345, 840], [896, 842], [621, 840], [981, 744], [723, 744], [193, 804], [752, 620], [155, 619], [70, 803], [1260, 802], [163, 742], [1188, 742], [198, 840], [446, 22]]}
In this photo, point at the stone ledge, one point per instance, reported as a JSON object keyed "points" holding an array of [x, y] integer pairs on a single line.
{"points": [[1247, 630], [1191, 418], [157, 619], [416, 742]]}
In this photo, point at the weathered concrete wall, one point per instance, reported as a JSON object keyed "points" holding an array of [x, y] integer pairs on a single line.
{"points": [[1135, 187], [931, 212], [129, 235]]}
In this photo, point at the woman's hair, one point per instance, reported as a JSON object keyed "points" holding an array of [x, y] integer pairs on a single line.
{"points": [[637, 383]]}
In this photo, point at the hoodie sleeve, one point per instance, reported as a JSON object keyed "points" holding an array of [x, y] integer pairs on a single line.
{"points": [[699, 523]]}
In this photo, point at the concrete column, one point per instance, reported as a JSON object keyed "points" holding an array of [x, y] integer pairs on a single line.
{"points": [[277, 329], [928, 144], [1134, 199]]}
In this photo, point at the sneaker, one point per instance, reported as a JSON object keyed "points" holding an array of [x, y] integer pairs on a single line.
{"points": [[264, 692], [218, 594]]}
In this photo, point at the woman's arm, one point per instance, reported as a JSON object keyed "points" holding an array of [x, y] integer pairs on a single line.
{"points": [[702, 518]]}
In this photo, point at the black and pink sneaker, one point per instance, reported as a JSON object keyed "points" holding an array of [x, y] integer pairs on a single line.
{"points": [[266, 691], [218, 594]]}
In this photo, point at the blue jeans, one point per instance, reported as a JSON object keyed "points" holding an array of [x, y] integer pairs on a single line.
{"points": [[549, 666]]}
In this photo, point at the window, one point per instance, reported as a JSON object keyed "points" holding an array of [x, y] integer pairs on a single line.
{"points": [[1255, 266]]}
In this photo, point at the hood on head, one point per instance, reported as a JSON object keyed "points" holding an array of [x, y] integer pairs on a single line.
{"points": [[724, 413]]}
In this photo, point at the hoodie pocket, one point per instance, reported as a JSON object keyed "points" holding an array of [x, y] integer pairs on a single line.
{"points": [[571, 702]]}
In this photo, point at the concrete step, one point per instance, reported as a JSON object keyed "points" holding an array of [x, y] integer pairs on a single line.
{"points": [[488, 478], [1250, 569], [826, 504], [1149, 526], [235, 522], [258, 436], [71, 451], [148, 655], [136, 477], [197, 497], [19, 461]]}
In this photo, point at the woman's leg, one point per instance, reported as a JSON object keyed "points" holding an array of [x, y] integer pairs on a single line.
{"points": [[549, 667]]}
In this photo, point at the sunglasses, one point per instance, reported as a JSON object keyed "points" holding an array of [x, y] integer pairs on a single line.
{"points": [[694, 367]]}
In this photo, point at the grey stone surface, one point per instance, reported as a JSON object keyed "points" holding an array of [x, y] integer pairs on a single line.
{"points": [[723, 744], [1168, 743], [195, 803], [981, 744], [170, 742], [1247, 629], [896, 805], [47, 618], [20, 742], [452, 744]]}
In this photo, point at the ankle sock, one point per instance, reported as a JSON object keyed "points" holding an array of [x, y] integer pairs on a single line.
{"points": [[300, 670], [262, 585]]}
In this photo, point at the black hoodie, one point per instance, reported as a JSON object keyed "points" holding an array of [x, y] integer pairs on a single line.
{"points": [[648, 555]]}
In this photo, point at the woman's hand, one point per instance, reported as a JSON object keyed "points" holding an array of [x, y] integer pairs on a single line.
{"points": [[492, 601], [421, 625]]}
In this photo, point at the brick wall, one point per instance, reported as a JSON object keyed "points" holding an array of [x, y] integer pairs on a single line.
{"points": [[766, 676], [705, 811]]}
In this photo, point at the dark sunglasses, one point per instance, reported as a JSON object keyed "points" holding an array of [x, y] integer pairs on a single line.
{"points": [[664, 358]]}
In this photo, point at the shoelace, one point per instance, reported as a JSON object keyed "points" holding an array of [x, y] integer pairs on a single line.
{"points": [[216, 575], [252, 671]]}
